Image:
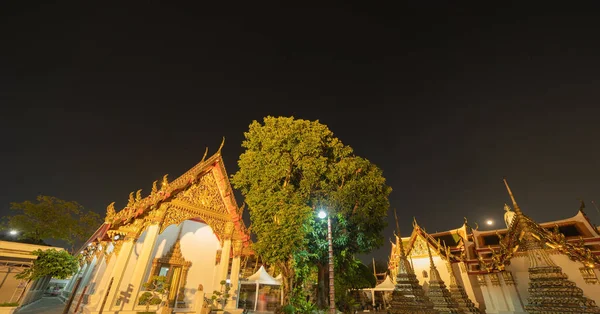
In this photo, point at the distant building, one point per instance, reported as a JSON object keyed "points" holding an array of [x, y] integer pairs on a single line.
{"points": [[189, 230], [549, 267], [14, 258]]}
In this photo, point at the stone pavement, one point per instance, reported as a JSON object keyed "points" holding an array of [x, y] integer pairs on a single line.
{"points": [[51, 305]]}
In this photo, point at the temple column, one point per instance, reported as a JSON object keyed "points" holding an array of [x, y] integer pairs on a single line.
{"points": [[103, 277], [71, 283], [496, 293], [490, 306], [120, 267], [144, 261], [225, 253], [510, 291], [235, 275]]}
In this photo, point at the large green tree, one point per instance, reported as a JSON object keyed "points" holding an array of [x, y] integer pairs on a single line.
{"points": [[53, 218], [290, 169]]}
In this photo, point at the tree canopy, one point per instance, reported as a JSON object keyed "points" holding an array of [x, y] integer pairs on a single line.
{"points": [[290, 169], [52, 218], [51, 262]]}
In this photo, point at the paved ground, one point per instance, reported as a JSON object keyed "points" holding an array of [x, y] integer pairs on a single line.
{"points": [[51, 305]]}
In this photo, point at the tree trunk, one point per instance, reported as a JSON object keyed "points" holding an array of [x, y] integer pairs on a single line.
{"points": [[322, 287], [288, 280]]}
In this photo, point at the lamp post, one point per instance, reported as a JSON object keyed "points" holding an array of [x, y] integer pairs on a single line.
{"points": [[323, 214]]}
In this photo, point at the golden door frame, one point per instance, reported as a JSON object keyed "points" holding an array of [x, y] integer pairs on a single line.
{"points": [[177, 273]]}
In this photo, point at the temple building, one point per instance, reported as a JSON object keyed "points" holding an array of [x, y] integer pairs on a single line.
{"points": [[189, 230], [528, 267]]}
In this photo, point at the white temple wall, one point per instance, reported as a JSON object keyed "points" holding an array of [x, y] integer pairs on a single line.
{"points": [[571, 269], [199, 245], [519, 267], [422, 263]]}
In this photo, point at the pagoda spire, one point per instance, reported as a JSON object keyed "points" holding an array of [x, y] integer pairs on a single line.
{"points": [[408, 296], [438, 293], [457, 291], [550, 290]]}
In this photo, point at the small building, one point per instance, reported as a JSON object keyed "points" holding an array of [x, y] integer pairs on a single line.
{"points": [[189, 230], [14, 258]]}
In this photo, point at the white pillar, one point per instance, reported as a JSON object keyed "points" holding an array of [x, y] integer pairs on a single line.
{"points": [[143, 263], [510, 291], [235, 275], [224, 263], [118, 271]]}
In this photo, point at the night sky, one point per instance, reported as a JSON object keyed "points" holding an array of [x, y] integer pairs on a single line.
{"points": [[99, 100]]}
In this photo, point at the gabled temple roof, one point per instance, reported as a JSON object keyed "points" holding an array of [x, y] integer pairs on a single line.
{"points": [[524, 234], [182, 194]]}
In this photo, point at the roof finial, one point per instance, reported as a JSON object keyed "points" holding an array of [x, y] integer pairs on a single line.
{"points": [[582, 206], [512, 197], [205, 153], [430, 257], [221, 147]]}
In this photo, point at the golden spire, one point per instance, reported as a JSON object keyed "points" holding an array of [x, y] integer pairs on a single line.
{"points": [[398, 238], [430, 256], [449, 265], [512, 197]]}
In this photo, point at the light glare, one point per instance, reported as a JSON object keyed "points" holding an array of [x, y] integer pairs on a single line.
{"points": [[489, 222], [13, 232], [322, 214]]}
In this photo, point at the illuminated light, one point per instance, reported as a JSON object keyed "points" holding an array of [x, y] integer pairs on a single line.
{"points": [[13, 232], [228, 281], [117, 237], [82, 252], [489, 222], [90, 244], [322, 214]]}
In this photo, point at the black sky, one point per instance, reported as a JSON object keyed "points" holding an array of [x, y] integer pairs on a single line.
{"points": [[101, 99]]}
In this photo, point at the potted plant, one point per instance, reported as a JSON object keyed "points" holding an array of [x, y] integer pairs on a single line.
{"points": [[219, 297], [156, 291], [8, 307]]}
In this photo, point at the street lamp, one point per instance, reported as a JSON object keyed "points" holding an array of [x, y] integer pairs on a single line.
{"points": [[13, 232], [322, 214]]}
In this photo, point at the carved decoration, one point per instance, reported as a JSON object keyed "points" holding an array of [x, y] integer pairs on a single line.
{"points": [[508, 278], [237, 248], [419, 247], [110, 213], [494, 279], [218, 257], [463, 267], [481, 280], [588, 274], [205, 194]]}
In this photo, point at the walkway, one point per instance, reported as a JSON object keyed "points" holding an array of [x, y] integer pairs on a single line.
{"points": [[51, 305]]}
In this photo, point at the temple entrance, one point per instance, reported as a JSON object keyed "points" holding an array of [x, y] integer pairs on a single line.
{"points": [[173, 275], [175, 269]]}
